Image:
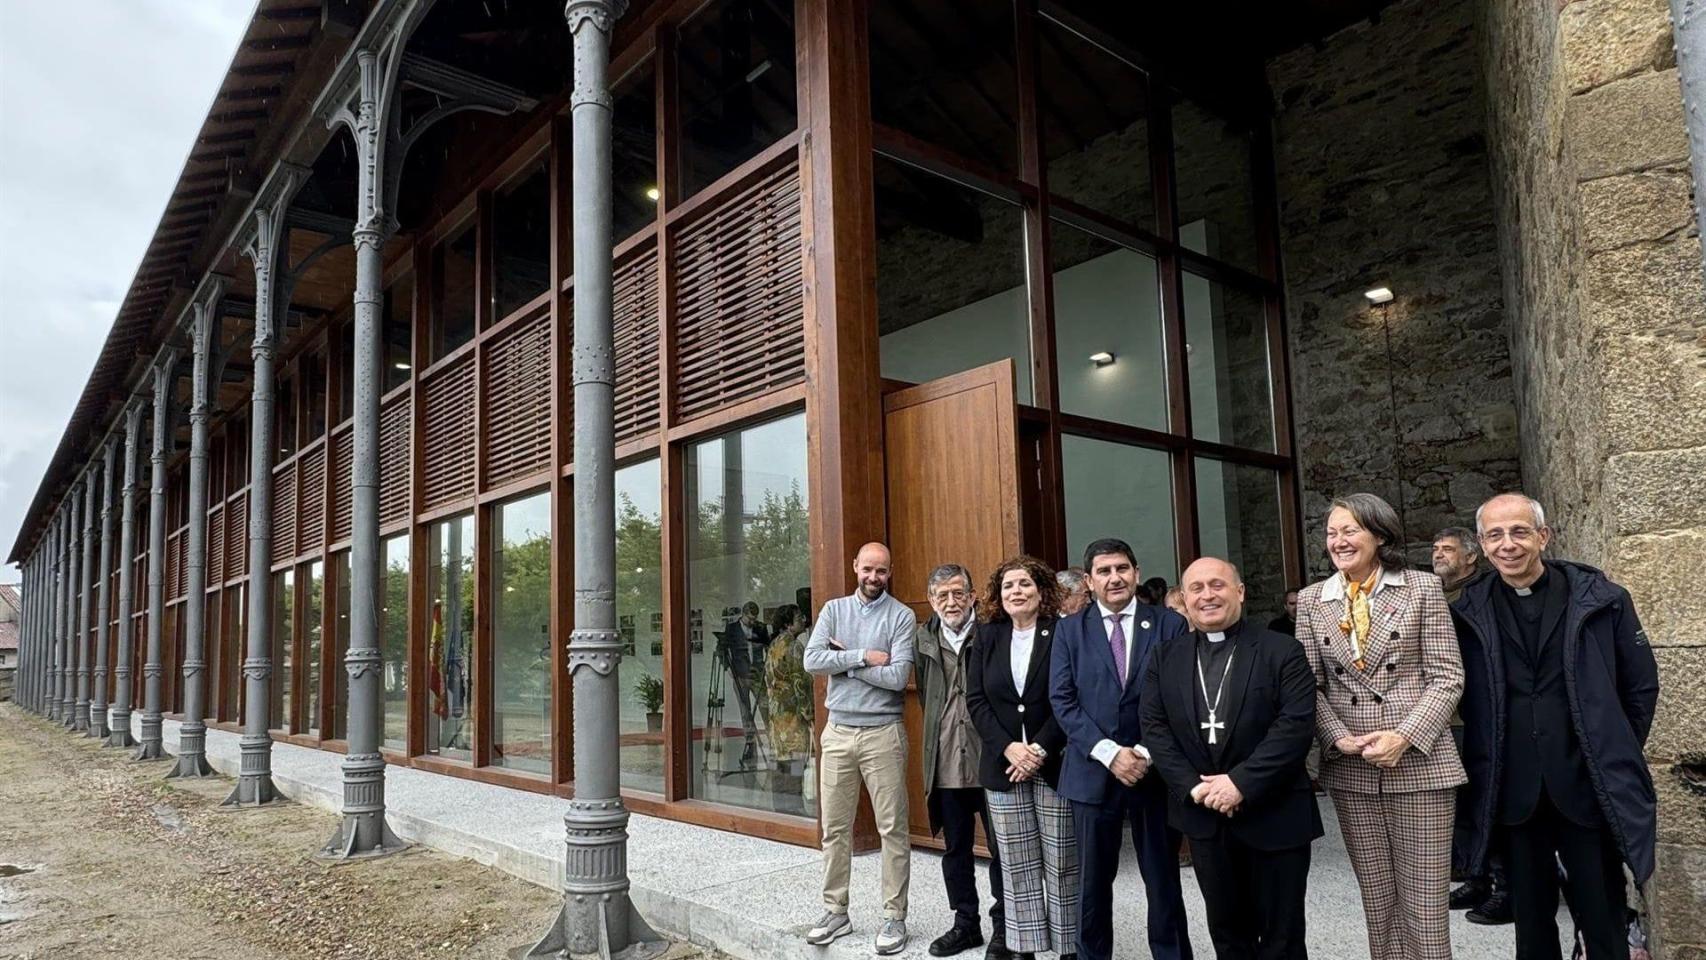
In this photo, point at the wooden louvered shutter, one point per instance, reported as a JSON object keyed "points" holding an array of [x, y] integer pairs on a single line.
{"points": [[216, 546], [516, 400], [449, 425], [394, 422], [636, 343], [311, 500], [284, 513], [343, 485], [237, 537], [739, 297]]}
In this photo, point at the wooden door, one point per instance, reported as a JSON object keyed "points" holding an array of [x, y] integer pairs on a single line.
{"points": [[951, 467]]}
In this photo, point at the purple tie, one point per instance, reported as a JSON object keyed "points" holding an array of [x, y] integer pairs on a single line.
{"points": [[1116, 640]]}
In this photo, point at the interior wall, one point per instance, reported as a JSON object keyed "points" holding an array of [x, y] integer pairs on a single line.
{"points": [[1381, 162]]}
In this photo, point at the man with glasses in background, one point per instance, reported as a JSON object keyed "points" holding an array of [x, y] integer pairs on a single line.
{"points": [[1559, 690]]}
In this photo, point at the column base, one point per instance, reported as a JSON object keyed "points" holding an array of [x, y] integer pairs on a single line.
{"points": [[98, 722], [192, 755], [583, 927], [119, 736], [253, 792], [362, 836], [152, 746]]}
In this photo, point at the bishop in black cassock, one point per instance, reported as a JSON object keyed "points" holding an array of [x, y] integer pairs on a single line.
{"points": [[1228, 716]]}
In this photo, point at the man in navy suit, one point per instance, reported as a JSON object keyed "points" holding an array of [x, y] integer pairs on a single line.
{"points": [[1094, 683]]}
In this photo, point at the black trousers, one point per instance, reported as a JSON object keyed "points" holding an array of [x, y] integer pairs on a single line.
{"points": [[1254, 898], [1099, 830], [960, 808], [1593, 886]]}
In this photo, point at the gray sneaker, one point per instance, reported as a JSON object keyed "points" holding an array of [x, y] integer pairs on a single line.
{"points": [[830, 926], [891, 938]]}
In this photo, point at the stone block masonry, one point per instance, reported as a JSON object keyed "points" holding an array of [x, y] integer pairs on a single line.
{"points": [[1381, 160]]}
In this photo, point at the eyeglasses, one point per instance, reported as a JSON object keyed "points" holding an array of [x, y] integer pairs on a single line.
{"points": [[1515, 535], [946, 595]]}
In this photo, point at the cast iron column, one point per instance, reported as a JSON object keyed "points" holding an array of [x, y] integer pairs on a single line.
{"points": [[254, 778], [192, 733], [151, 747], [597, 917], [68, 611], [56, 628], [103, 599], [120, 736], [364, 831], [79, 717]]}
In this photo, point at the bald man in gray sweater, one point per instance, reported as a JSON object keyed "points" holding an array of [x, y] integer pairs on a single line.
{"points": [[863, 644]]}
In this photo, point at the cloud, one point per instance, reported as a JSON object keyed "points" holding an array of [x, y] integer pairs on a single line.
{"points": [[101, 101]]}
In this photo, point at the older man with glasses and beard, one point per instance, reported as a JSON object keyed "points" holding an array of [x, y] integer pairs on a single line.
{"points": [[952, 751], [1559, 691]]}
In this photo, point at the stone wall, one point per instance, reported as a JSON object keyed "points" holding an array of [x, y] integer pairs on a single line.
{"points": [[1602, 267], [1380, 158]]}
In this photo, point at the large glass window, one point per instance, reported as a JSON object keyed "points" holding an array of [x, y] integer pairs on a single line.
{"points": [[313, 628], [213, 649], [950, 278], [1096, 126], [450, 637], [639, 619], [234, 604], [1107, 331], [1232, 396], [453, 308], [944, 73], [314, 394], [1118, 490], [521, 241], [749, 572], [1214, 184], [1238, 519], [634, 154], [521, 634], [339, 707], [394, 641], [398, 332], [283, 635], [736, 68], [284, 429]]}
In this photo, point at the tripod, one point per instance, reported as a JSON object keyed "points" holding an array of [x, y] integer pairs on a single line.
{"points": [[756, 756]]}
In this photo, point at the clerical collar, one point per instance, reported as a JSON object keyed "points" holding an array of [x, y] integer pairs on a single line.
{"points": [[1538, 586], [1215, 636], [1220, 636]]}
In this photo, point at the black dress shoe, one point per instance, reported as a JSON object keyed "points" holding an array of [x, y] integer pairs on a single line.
{"points": [[1495, 912], [998, 951], [1470, 894], [957, 940]]}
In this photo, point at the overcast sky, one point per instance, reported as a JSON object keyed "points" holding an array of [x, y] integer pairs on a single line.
{"points": [[100, 101]]}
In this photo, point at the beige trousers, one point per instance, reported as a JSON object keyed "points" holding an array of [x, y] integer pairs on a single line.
{"points": [[875, 757]]}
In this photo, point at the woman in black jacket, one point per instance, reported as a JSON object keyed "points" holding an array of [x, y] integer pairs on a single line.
{"points": [[1007, 693]]}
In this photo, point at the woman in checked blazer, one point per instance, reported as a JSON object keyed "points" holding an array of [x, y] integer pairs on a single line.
{"points": [[1387, 675]]}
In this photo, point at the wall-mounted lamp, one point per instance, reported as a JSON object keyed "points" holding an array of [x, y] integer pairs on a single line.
{"points": [[400, 365], [1102, 359], [652, 194], [1378, 296]]}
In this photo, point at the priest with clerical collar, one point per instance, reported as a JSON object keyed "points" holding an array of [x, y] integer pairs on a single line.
{"points": [[1559, 692], [1228, 716]]}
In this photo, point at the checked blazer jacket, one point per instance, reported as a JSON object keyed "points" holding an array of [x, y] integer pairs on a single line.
{"points": [[1412, 680]]}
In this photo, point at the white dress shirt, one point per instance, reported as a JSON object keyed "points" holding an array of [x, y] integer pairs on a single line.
{"points": [[1106, 750], [955, 639], [1019, 655]]}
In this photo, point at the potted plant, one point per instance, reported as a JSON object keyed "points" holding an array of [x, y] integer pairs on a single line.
{"points": [[650, 691]]}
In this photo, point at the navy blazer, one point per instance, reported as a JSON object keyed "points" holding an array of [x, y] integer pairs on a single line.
{"points": [[1089, 702]]}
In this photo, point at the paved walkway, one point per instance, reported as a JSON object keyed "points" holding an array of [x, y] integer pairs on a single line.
{"points": [[750, 897]]}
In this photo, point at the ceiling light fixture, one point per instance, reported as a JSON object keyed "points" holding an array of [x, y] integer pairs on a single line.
{"points": [[652, 194], [400, 365], [1102, 359], [1379, 295]]}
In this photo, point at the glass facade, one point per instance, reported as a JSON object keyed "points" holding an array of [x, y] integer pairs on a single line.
{"points": [[283, 646], [339, 705], [748, 569], [394, 641], [313, 630], [1116, 490], [639, 619], [450, 637], [521, 634]]}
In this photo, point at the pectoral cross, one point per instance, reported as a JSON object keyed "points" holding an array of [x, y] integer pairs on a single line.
{"points": [[1212, 726]]}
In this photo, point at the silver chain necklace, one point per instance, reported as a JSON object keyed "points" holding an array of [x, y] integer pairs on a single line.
{"points": [[1213, 726]]}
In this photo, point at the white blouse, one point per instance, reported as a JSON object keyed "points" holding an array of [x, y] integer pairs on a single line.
{"points": [[1019, 656]]}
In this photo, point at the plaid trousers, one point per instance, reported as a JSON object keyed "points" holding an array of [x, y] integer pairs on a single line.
{"points": [[1400, 848], [1039, 867]]}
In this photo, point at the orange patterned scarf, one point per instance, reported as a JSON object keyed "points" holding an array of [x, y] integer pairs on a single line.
{"points": [[1355, 623]]}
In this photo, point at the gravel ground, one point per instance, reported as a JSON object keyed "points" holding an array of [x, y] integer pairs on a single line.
{"points": [[102, 858]]}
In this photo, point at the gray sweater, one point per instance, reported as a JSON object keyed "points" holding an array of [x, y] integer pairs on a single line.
{"points": [[862, 696]]}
